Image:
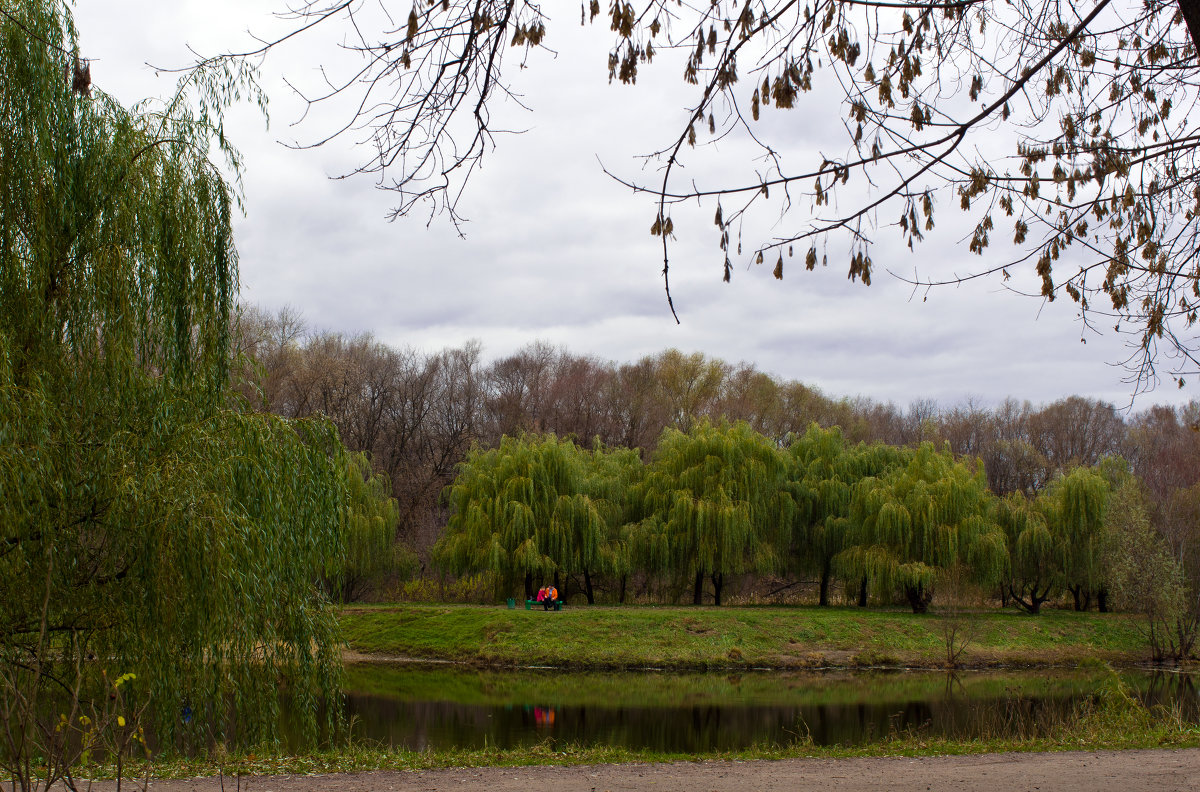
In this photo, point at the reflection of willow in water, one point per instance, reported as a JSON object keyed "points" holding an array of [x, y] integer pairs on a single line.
{"points": [[420, 725], [665, 689], [1015, 715], [1170, 689], [696, 713]]}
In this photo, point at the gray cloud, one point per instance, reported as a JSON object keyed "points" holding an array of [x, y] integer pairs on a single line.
{"points": [[557, 251]]}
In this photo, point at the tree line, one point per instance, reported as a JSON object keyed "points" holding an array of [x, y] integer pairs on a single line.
{"points": [[418, 415], [722, 501]]}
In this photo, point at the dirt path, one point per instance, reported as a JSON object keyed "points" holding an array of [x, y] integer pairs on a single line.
{"points": [[1099, 771]]}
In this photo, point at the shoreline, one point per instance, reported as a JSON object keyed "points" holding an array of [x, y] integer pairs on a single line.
{"points": [[1116, 661]]}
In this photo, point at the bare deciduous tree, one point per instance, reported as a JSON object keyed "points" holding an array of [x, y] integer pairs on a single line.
{"points": [[1066, 129]]}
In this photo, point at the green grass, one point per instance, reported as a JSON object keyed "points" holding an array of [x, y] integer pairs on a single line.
{"points": [[602, 637]]}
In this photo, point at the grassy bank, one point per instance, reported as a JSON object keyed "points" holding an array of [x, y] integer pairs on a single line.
{"points": [[754, 637]]}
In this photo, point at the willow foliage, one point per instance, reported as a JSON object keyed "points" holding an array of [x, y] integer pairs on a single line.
{"points": [[715, 504], [142, 520], [1075, 505], [918, 520], [824, 472], [610, 476], [1061, 540], [532, 507], [371, 550], [1037, 551]]}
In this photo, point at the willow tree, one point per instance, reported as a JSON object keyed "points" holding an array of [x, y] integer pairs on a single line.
{"points": [[143, 522], [520, 511], [369, 535], [1075, 505], [823, 474], [610, 475], [1037, 552], [919, 520], [715, 505]]}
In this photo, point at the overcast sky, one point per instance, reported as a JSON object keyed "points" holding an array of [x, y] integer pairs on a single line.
{"points": [[557, 251]]}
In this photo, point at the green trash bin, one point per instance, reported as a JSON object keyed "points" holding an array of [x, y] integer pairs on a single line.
{"points": [[512, 603]]}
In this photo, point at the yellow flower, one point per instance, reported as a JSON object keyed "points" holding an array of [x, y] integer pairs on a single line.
{"points": [[120, 720]]}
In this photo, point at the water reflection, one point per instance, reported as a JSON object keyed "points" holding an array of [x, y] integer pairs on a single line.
{"points": [[420, 708], [1173, 689]]}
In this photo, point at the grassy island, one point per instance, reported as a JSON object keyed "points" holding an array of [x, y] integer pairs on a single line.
{"points": [[627, 637]]}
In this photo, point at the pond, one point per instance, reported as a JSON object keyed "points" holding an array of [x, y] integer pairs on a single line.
{"points": [[419, 707]]}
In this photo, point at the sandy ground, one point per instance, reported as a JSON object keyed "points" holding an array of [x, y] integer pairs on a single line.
{"points": [[1098, 771]]}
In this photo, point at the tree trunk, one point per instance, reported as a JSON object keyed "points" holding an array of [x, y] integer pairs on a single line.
{"points": [[718, 580], [624, 584], [528, 585], [1075, 591], [698, 591], [823, 597], [862, 593], [1102, 599], [919, 598], [1191, 15], [1034, 605], [587, 588], [1186, 628]]}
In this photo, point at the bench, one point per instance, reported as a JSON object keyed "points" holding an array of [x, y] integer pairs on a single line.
{"points": [[531, 604]]}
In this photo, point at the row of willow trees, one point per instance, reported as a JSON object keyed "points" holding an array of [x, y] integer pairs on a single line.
{"points": [[722, 504]]}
